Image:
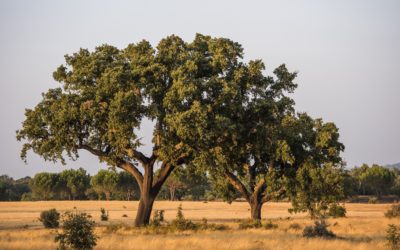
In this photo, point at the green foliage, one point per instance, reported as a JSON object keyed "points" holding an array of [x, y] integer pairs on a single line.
{"points": [[44, 185], [13, 190], [320, 229], [105, 182], [378, 178], [316, 188], [78, 232], [185, 183], [103, 214], [158, 218], [336, 211], [393, 237], [50, 218], [74, 183], [394, 211], [127, 187]]}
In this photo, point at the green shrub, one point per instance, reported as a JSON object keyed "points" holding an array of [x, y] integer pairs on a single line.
{"points": [[78, 232], [337, 211], [182, 224], [50, 218], [103, 215], [393, 237], [320, 229], [158, 218], [394, 211], [250, 223], [270, 225]]}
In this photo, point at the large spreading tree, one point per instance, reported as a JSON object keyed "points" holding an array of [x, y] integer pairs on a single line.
{"points": [[106, 94], [209, 109]]}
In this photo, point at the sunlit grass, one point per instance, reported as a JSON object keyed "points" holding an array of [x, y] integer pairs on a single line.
{"points": [[364, 227]]}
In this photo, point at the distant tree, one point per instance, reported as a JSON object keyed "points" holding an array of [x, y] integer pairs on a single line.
{"points": [[128, 186], [75, 182], [379, 179], [173, 185], [105, 182], [356, 173], [5, 187], [44, 185], [350, 184]]}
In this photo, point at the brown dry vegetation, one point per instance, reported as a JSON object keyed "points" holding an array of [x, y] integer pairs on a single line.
{"points": [[364, 227]]}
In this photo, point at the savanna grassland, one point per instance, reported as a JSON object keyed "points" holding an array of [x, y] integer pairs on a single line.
{"points": [[363, 228]]}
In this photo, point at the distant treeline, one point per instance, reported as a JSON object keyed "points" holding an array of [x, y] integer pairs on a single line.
{"points": [[105, 185], [183, 184]]}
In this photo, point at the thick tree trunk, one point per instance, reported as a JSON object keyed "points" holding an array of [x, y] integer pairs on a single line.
{"points": [[144, 210], [255, 207]]}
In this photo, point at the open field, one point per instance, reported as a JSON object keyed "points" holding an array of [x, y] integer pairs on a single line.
{"points": [[364, 227]]}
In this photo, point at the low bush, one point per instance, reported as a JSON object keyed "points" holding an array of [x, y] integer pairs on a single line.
{"points": [[103, 215], [250, 223], [270, 225], [182, 224], [320, 229], [158, 218], [337, 211], [295, 226], [394, 211], [50, 218], [78, 232]]}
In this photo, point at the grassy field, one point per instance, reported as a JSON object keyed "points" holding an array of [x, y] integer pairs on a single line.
{"points": [[364, 228]]}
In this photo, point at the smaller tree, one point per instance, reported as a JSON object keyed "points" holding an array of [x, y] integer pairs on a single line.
{"points": [[75, 182], [105, 182], [127, 186], [44, 185], [379, 179]]}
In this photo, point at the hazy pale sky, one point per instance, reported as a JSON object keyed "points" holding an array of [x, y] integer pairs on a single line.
{"points": [[347, 54]]}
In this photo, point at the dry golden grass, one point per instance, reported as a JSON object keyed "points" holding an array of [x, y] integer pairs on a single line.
{"points": [[364, 227]]}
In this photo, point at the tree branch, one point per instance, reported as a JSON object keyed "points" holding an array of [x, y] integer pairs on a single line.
{"points": [[165, 170], [139, 156], [237, 184], [277, 195], [132, 169], [96, 152]]}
